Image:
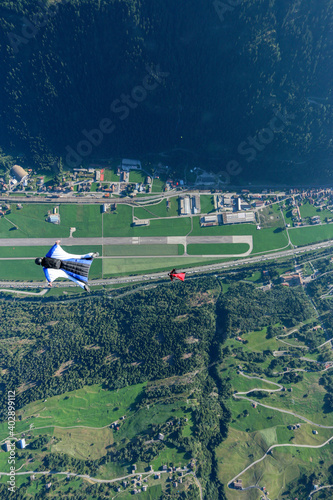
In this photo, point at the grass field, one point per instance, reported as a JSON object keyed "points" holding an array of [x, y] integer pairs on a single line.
{"points": [[15, 251], [31, 221], [258, 342], [263, 240], [312, 234], [137, 176], [206, 203], [90, 406], [277, 472], [158, 185], [135, 266], [83, 443], [110, 175], [306, 399], [158, 210], [307, 210], [86, 218], [217, 248], [128, 250], [19, 270]]}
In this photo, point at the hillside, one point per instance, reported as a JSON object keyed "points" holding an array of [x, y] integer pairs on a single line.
{"points": [[225, 75]]}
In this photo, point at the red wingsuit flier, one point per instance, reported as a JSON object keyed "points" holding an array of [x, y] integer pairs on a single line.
{"points": [[173, 275]]}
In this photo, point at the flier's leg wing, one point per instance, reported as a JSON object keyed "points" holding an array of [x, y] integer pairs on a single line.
{"points": [[53, 274]]}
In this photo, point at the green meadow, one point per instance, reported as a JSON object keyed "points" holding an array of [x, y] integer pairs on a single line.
{"points": [[90, 406], [115, 266], [279, 471], [18, 270], [217, 248], [308, 210], [146, 250], [311, 234], [264, 240], [159, 209], [206, 203], [36, 251]]}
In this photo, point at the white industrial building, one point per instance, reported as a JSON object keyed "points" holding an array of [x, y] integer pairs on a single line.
{"points": [[238, 217]]}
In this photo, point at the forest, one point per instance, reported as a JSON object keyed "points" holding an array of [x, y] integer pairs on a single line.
{"points": [[69, 66], [53, 347]]}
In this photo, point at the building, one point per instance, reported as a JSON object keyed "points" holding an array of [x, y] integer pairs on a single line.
{"points": [[127, 164], [209, 220], [187, 206], [22, 443], [238, 485], [19, 173], [292, 279], [124, 176], [7, 445], [238, 217], [54, 218], [141, 222], [195, 204]]}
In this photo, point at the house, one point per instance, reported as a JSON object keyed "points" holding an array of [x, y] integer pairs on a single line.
{"points": [[160, 436], [314, 432], [22, 443], [124, 176], [238, 485]]}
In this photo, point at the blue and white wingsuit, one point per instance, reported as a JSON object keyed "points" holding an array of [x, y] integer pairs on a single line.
{"points": [[60, 264]]}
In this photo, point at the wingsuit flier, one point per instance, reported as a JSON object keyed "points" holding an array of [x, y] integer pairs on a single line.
{"points": [[174, 275], [59, 264]]}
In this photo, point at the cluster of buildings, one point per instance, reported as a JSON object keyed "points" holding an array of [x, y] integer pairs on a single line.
{"points": [[231, 209], [189, 204], [21, 444]]}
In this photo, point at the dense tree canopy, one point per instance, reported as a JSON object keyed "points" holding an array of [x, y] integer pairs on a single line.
{"points": [[227, 74]]}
